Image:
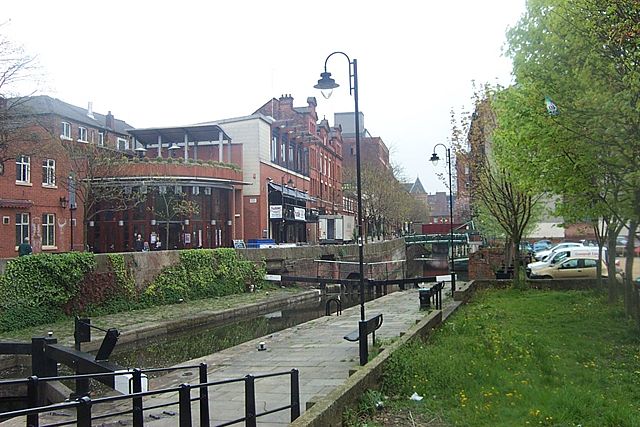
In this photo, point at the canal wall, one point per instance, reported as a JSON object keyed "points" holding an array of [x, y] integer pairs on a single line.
{"points": [[384, 260]]}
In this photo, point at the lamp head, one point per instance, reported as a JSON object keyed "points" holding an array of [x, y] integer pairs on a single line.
{"points": [[326, 84], [434, 159]]}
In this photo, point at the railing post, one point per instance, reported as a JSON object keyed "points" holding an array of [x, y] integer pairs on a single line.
{"points": [[249, 401], [363, 342], [185, 405], [204, 396], [136, 402], [33, 401], [83, 412], [295, 394]]}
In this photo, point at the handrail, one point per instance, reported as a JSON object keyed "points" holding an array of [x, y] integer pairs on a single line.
{"points": [[85, 404]]}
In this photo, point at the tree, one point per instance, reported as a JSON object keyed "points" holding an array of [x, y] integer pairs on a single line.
{"points": [[91, 182], [17, 69], [503, 204], [584, 55], [171, 204]]}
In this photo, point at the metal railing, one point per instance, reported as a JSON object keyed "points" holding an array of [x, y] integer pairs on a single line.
{"points": [[84, 405]]}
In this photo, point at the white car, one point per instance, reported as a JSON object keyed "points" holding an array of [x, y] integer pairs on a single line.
{"points": [[542, 255], [556, 257]]}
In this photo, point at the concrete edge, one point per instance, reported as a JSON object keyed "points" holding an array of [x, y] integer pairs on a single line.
{"points": [[327, 412]]}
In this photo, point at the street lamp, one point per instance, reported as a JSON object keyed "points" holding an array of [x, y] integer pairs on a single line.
{"points": [[326, 84], [434, 160]]}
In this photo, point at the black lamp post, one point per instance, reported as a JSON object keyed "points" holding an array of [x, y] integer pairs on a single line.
{"points": [[434, 159], [326, 84], [283, 233]]}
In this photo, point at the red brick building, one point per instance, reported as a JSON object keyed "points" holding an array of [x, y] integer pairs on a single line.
{"points": [[55, 166], [37, 197]]}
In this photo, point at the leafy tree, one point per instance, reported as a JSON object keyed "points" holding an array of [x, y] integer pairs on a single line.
{"points": [[584, 55], [172, 205]]}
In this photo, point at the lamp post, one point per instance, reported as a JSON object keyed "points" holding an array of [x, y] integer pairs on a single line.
{"points": [[434, 159], [284, 212], [326, 84]]}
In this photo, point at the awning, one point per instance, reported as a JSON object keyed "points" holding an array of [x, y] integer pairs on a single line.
{"points": [[15, 203], [292, 192]]}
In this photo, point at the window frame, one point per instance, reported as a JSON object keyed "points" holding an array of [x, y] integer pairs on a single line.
{"points": [[101, 139], [66, 131], [22, 228], [124, 141], [23, 168], [49, 173], [49, 231], [83, 131]]}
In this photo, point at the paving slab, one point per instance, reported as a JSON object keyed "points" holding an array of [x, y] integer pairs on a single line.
{"points": [[316, 348]]}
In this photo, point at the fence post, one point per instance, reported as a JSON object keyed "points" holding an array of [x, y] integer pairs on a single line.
{"points": [[83, 412], [136, 402], [295, 394], [249, 401], [204, 396], [33, 401], [185, 405]]}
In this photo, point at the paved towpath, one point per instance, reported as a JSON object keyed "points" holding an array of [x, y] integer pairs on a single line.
{"points": [[316, 348]]}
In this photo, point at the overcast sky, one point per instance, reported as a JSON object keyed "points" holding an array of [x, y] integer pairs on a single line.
{"points": [[171, 63]]}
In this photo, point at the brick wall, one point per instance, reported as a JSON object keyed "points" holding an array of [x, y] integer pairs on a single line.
{"points": [[484, 262]]}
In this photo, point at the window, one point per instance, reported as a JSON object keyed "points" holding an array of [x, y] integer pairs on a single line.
{"points": [[22, 227], [66, 131], [572, 263], [274, 149], [23, 169], [123, 144], [590, 263], [82, 134], [101, 139], [48, 173], [48, 230]]}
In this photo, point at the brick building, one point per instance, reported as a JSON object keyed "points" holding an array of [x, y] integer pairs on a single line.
{"points": [[373, 150], [37, 197], [76, 177]]}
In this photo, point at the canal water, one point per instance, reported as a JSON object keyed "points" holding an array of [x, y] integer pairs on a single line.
{"points": [[169, 350]]}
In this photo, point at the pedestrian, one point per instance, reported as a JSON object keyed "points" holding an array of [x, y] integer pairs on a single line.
{"points": [[139, 244], [24, 248], [145, 248]]}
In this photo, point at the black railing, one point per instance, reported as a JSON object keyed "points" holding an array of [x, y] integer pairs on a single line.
{"points": [[84, 405]]}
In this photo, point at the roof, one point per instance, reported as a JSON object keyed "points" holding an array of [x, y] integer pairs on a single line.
{"points": [[44, 104], [203, 132], [416, 187], [15, 204]]}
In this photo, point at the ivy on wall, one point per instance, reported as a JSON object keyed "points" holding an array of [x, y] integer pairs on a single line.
{"points": [[43, 288], [205, 273], [34, 288]]}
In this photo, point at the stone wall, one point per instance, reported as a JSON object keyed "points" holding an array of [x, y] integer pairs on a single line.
{"points": [[484, 263], [293, 261]]}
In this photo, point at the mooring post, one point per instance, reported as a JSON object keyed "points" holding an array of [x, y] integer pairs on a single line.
{"points": [[204, 396]]}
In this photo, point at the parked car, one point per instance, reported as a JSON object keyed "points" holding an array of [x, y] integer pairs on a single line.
{"points": [[558, 256], [542, 245], [571, 268], [526, 248], [541, 255]]}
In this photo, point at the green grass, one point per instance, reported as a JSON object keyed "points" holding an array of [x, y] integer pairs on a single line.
{"points": [[520, 358]]}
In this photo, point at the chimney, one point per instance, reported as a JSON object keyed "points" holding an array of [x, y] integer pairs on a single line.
{"points": [[109, 121], [286, 100], [90, 110]]}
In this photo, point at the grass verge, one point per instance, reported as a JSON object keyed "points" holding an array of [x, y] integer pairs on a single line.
{"points": [[518, 358]]}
